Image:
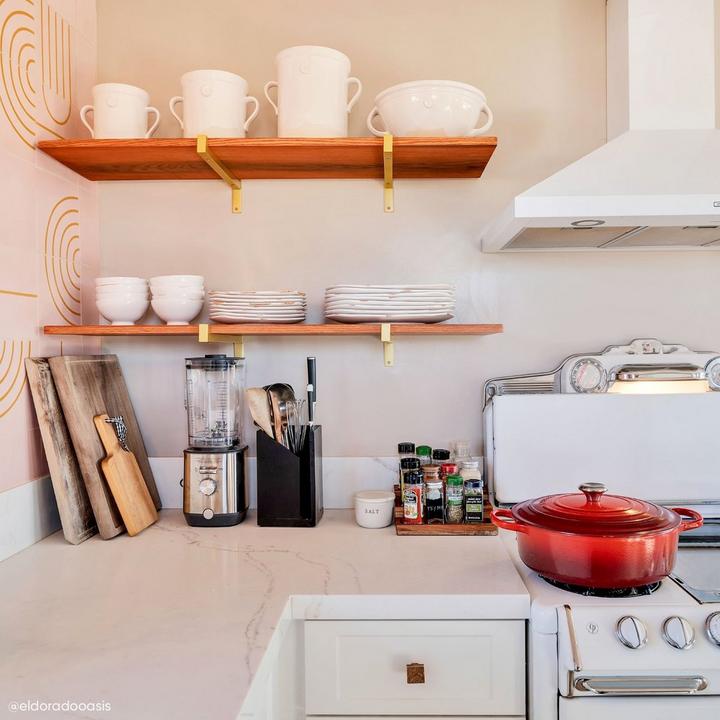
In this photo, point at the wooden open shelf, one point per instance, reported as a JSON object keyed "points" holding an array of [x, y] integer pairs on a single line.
{"points": [[274, 329], [273, 158]]}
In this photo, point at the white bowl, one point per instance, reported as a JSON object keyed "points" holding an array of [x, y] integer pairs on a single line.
{"points": [[106, 289], [374, 508], [176, 311], [430, 108], [122, 309], [120, 281], [179, 292], [194, 280]]}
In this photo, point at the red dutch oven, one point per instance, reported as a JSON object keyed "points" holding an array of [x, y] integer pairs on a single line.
{"points": [[597, 540]]}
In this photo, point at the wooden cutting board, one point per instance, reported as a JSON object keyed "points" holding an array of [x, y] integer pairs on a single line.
{"points": [[126, 482], [76, 515], [90, 385]]}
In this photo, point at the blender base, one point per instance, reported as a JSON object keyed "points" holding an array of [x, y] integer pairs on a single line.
{"points": [[220, 520]]}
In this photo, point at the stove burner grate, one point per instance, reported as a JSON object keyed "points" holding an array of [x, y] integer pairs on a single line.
{"points": [[625, 592]]}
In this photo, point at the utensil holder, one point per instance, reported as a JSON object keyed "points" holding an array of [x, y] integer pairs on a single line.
{"points": [[289, 486]]}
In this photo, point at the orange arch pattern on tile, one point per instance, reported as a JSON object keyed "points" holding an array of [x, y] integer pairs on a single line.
{"points": [[12, 372], [62, 271]]}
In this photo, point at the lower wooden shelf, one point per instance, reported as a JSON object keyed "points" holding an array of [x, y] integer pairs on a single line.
{"points": [[275, 329], [236, 333]]}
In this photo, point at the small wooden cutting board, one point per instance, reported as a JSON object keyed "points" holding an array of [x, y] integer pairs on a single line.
{"points": [[125, 480]]}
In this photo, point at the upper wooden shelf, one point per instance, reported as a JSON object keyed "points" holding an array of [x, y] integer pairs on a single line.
{"points": [[273, 158], [274, 329]]}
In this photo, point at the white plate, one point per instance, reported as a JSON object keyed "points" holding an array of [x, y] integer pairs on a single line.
{"points": [[257, 293], [229, 319], [258, 313], [382, 317], [413, 297], [345, 289], [390, 306]]}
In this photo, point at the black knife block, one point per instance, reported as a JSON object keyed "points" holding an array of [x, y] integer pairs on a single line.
{"points": [[289, 486]]}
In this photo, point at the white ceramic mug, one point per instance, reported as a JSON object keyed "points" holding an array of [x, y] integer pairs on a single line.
{"points": [[119, 111], [214, 104], [312, 92]]}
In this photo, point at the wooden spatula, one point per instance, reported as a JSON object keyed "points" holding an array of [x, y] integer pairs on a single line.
{"points": [[259, 409], [125, 479]]}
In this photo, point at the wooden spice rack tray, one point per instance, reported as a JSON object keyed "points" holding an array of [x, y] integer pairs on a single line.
{"points": [[483, 528]]}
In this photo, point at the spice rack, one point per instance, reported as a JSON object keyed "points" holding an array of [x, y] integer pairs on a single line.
{"points": [[484, 528]]}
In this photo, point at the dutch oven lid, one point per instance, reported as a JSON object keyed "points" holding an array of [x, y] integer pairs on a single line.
{"points": [[592, 512]]}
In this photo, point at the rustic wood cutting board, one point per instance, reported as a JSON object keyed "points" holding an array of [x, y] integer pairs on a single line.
{"points": [[76, 515], [90, 385], [125, 480]]}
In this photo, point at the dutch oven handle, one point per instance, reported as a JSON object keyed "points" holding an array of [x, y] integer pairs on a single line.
{"points": [[503, 518], [695, 522]]}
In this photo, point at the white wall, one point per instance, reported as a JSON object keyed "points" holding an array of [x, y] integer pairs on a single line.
{"points": [[542, 66]]}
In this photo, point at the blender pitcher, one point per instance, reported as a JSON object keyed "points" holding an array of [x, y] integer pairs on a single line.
{"points": [[213, 399]]}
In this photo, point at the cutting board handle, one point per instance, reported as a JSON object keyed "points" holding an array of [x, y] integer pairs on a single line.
{"points": [[108, 436]]}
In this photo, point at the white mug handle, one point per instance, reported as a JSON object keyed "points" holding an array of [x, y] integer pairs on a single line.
{"points": [[84, 110], [254, 113], [487, 125], [153, 127], [354, 98], [267, 87], [370, 125], [173, 102]]}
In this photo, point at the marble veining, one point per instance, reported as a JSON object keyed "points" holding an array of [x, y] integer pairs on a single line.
{"points": [[149, 623]]}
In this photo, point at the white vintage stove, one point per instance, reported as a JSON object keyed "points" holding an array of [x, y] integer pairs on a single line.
{"points": [[644, 419]]}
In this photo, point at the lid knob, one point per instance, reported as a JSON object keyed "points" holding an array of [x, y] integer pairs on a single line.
{"points": [[593, 491]]}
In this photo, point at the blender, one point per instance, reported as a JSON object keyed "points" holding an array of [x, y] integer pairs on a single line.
{"points": [[215, 490]]}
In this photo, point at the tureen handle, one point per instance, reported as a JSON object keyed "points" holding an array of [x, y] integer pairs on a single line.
{"points": [[593, 491], [503, 518], [695, 522]]}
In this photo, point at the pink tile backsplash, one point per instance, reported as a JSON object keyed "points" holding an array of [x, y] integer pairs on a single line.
{"points": [[49, 245]]}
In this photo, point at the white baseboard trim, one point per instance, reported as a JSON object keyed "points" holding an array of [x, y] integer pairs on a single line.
{"points": [[342, 478], [28, 513]]}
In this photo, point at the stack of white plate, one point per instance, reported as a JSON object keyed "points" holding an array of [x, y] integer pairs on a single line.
{"points": [[121, 300], [390, 303], [262, 306]]}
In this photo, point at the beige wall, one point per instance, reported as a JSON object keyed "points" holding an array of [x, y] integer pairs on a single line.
{"points": [[542, 66]]}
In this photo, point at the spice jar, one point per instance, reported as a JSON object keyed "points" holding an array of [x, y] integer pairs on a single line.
{"points": [[462, 451], [407, 464], [424, 454], [446, 469], [474, 501], [434, 495], [413, 498], [454, 499], [439, 456], [405, 450]]}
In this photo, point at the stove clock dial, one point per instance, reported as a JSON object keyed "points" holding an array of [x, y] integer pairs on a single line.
{"points": [[712, 628], [631, 632], [588, 376], [678, 633]]}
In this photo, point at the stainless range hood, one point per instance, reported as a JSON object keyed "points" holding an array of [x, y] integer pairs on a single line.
{"points": [[656, 183]]}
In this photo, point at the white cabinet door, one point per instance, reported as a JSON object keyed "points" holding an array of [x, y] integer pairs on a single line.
{"points": [[471, 667]]}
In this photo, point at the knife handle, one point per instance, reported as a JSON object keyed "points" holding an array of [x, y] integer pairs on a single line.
{"points": [[311, 388]]}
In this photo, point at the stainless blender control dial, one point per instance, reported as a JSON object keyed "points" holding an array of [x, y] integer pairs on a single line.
{"points": [[713, 373], [678, 633], [631, 632], [207, 486], [588, 376], [712, 628]]}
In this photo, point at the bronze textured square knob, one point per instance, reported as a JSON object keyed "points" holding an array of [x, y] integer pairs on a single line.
{"points": [[415, 673]]}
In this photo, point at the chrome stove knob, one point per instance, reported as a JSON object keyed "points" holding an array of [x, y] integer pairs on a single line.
{"points": [[678, 633], [631, 632], [712, 628]]}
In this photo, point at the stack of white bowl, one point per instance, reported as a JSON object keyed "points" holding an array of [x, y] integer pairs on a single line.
{"points": [[121, 300], [177, 299]]}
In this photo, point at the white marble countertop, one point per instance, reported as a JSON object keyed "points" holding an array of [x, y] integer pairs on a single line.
{"points": [[174, 622]]}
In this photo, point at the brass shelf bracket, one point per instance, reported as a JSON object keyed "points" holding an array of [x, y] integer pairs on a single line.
{"points": [[388, 198], [235, 185], [205, 336], [387, 342]]}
